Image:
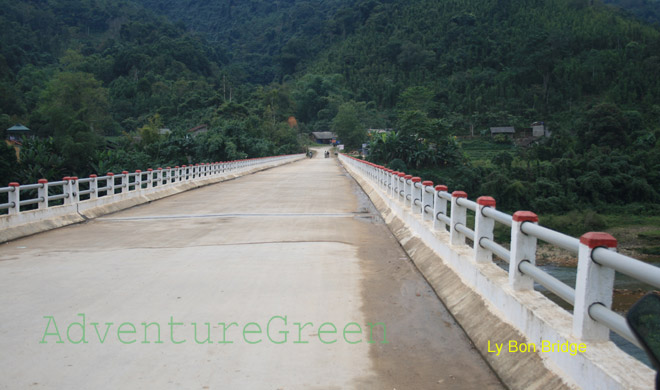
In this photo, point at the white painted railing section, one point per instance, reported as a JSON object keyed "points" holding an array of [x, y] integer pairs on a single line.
{"points": [[591, 298], [78, 194]]}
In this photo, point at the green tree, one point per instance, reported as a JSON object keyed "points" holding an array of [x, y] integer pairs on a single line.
{"points": [[149, 133], [74, 97], [348, 126], [8, 164], [604, 125]]}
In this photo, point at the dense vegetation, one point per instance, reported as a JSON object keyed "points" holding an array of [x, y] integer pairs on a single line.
{"points": [[97, 79], [264, 40], [648, 10]]}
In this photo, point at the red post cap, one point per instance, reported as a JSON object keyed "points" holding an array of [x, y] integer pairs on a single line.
{"points": [[66, 178], [183, 166], [42, 181], [459, 194], [14, 184], [427, 183], [93, 176], [401, 174], [74, 178], [416, 179], [138, 171], [525, 216], [407, 177], [149, 170], [109, 174], [124, 172], [168, 168], [486, 201], [440, 187], [160, 169], [176, 167], [596, 239]]}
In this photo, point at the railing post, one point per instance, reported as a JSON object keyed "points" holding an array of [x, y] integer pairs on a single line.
{"points": [[523, 248], [593, 285], [439, 208], [483, 228], [458, 216], [400, 187], [167, 176], [67, 190], [150, 178], [14, 197], [138, 179], [427, 201], [111, 184], [93, 187], [395, 184], [42, 193], [381, 176], [388, 181], [416, 194], [159, 176], [124, 181], [177, 174], [407, 188], [75, 189]]}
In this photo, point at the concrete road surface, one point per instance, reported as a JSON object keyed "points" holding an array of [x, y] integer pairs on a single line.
{"points": [[285, 279]]}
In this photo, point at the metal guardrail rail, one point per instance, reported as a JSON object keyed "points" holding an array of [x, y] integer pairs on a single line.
{"points": [[71, 190], [591, 298]]}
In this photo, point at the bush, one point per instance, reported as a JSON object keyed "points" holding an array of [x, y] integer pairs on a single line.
{"points": [[398, 165], [575, 223]]}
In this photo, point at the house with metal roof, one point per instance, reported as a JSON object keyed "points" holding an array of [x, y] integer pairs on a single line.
{"points": [[502, 130], [324, 137]]}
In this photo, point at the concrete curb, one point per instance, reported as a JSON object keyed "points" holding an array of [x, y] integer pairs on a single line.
{"points": [[38, 221], [463, 285]]}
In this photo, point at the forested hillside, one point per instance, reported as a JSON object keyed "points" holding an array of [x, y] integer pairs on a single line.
{"points": [[96, 80], [265, 40], [101, 78], [647, 10], [440, 69]]}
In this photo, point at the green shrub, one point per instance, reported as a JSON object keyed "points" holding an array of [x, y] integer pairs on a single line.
{"points": [[398, 165], [575, 223]]}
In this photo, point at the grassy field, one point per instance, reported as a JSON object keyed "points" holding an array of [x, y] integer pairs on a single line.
{"points": [[482, 150]]}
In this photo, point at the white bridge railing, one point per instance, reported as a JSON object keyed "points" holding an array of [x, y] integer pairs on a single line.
{"points": [[597, 260], [73, 190]]}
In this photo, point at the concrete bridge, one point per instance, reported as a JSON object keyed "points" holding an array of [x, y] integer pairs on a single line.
{"points": [[293, 273]]}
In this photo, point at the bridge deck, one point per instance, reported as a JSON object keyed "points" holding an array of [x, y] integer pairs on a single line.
{"points": [[299, 241]]}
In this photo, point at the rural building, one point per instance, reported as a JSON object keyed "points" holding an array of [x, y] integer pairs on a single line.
{"points": [[539, 130], [14, 135], [201, 129], [324, 137], [509, 130], [17, 131]]}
